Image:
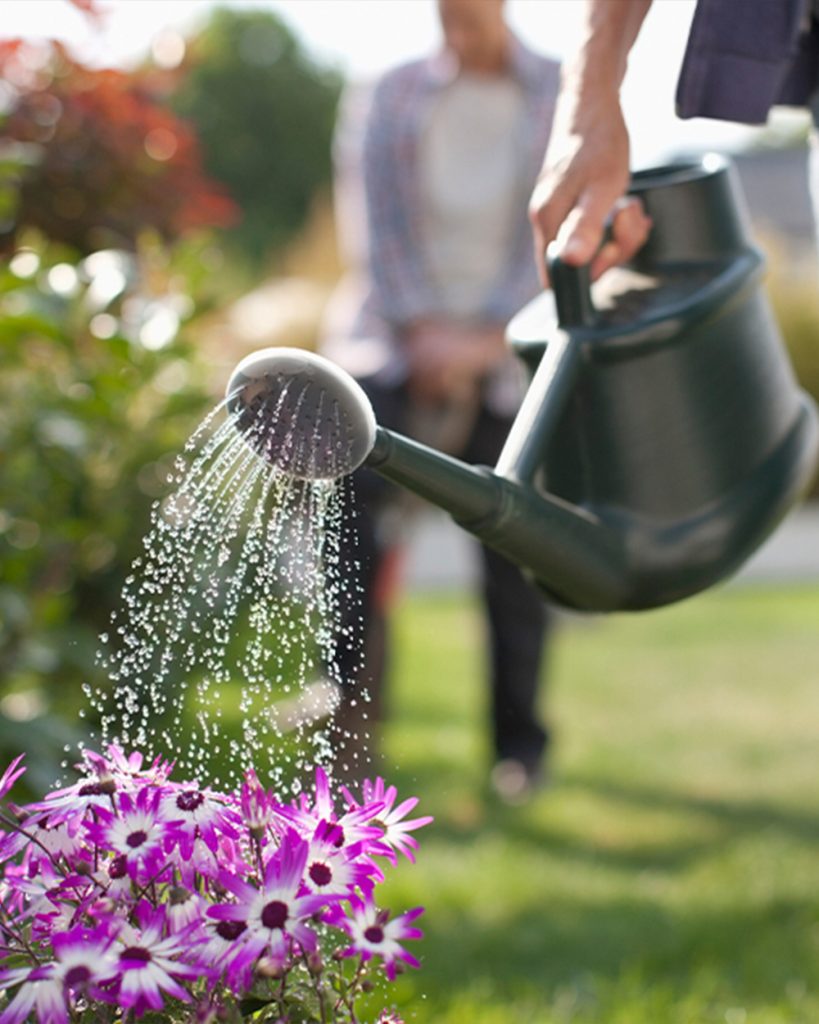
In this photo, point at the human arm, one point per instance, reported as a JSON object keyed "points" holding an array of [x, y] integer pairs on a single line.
{"points": [[586, 169]]}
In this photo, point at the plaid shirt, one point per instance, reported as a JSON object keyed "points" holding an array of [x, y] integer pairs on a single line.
{"points": [[398, 289]]}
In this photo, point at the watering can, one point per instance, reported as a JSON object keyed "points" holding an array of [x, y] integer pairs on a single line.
{"points": [[663, 435]]}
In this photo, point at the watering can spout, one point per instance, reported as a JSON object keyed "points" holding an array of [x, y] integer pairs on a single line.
{"points": [[566, 550]]}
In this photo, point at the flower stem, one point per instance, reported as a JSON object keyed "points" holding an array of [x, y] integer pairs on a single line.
{"points": [[32, 839], [151, 884], [318, 987], [18, 936], [352, 991]]}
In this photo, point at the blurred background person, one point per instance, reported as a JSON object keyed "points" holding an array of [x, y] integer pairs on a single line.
{"points": [[434, 168]]}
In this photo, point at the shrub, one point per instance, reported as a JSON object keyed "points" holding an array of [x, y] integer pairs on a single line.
{"points": [[104, 161], [264, 112], [98, 391]]}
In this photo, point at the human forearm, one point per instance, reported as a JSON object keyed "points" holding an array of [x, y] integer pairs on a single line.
{"points": [[592, 76], [586, 169], [609, 32]]}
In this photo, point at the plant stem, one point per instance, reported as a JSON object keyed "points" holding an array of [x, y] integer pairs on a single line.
{"points": [[18, 936], [150, 884], [352, 991], [318, 987], [32, 839], [257, 846]]}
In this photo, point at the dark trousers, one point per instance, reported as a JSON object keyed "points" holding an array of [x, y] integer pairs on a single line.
{"points": [[518, 619]]}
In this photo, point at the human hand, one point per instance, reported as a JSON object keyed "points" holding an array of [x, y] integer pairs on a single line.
{"points": [[581, 189]]}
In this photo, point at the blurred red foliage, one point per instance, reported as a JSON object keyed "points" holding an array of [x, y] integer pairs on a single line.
{"points": [[101, 159]]}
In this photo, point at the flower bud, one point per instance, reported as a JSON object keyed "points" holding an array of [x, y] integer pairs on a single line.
{"points": [[267, 967], [107, 785], [179, 894]]}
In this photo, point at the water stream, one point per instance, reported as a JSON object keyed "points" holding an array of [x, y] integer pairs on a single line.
{"points": [[229, 618]]}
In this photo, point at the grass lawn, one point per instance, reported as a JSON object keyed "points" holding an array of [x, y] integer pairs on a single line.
{"points": [[670, 874]]}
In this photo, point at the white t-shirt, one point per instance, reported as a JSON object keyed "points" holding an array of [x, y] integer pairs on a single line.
{"points": [[471, 186]]}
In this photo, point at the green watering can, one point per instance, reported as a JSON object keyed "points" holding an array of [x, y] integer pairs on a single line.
{"points": [[663, 435]]}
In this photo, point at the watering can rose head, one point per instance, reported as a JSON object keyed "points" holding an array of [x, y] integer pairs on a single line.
{"points": [[301, 413], [128, 891]]}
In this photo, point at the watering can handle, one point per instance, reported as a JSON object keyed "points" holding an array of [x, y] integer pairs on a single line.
{"points": [[571, 287], [524, 451]]}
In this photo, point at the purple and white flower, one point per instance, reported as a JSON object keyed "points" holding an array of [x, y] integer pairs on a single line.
{"points": [[353, 824], [275, 914], [205, 821], [151, 961], [137, 831], [125, 893], [84, 961], [374, 933], [390, 818], [333, 869]]}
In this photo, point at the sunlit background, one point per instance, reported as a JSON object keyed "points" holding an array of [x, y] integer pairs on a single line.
{"points": [[363, 37], [167, 207]]}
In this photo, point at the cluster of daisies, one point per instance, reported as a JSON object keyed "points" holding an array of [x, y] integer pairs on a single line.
{"points": [[127, 892]]}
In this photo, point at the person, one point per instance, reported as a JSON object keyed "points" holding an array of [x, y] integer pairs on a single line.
{"points": [[739, 61], [440, 176]]}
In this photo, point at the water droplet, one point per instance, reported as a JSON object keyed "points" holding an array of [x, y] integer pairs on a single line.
{"points": [[236, 602]]}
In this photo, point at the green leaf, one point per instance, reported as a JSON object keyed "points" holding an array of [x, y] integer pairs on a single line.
{"points": [[252, 1004]]}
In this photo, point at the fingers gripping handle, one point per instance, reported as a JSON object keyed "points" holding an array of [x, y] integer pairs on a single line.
{"points": [[572, 291]]}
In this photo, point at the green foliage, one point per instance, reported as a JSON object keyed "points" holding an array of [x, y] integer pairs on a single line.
{"points": [[795, 303], [264, 114], [98, 392], [669, 872], [100, 383]]}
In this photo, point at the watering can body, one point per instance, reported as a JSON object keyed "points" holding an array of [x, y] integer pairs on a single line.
{"points": [[663, 435]]}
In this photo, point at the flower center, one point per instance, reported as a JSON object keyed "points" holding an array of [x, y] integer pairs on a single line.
{"points": [[189, 801], [230, 930], [338, 841], [77, 976], [136, 839], [374, 934], [118, 867], [136, 953], [320, 874], [274, 914]]}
